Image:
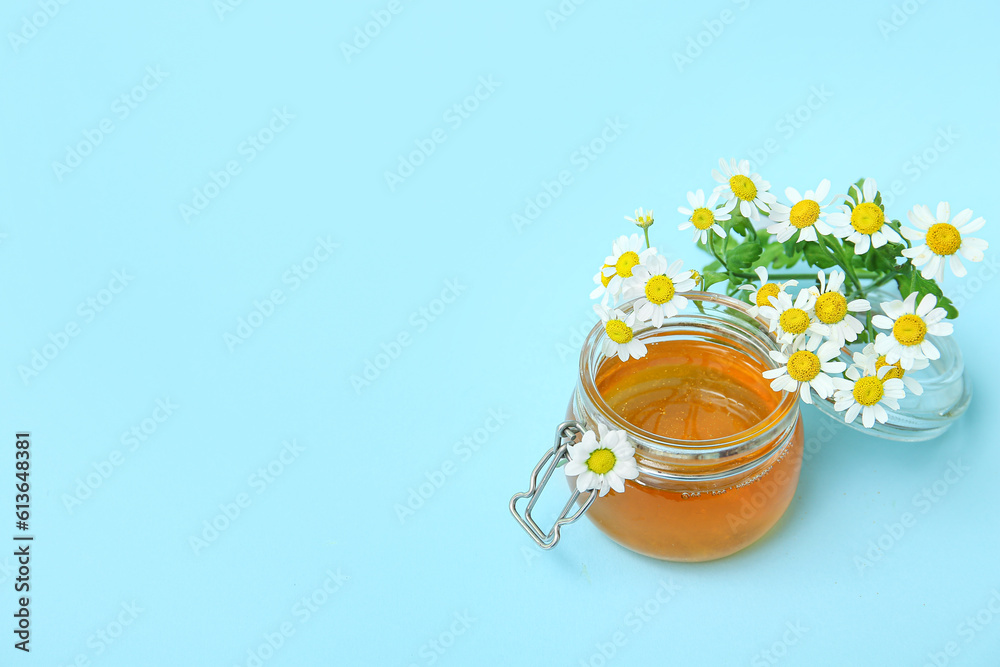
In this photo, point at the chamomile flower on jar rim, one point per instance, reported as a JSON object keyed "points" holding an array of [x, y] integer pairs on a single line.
{"points": [[703, 215], [833, 309], [642, 219], [739, 186], [871, 362], [909, 325], [806, 215], [627, 253], [602, 463], [658, 287], [759, 296], [602, 281], [943, 241], [790, 320], [867, 395], [620, 331], [804, 369], [863, 222]]}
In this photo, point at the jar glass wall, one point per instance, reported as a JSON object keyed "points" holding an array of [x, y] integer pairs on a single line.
{"points": [[718, 451]]}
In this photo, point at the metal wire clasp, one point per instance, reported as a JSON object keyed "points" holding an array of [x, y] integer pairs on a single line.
{"points": [[565, 436]]}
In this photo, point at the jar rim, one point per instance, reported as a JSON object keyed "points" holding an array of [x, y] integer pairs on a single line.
{"points": [[736, 444]]}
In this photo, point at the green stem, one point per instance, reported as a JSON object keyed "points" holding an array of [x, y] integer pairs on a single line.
{"points": [[645, 230], [840, 256], [711, 246]]}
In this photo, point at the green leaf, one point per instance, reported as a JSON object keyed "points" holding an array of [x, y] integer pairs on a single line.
{"points": [[771, 252], [711, 278], [786, 261], [743, 255], [909, 280], [815, 255]]}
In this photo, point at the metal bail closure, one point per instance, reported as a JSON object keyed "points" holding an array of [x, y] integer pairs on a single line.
{"points": [[565, 436]]}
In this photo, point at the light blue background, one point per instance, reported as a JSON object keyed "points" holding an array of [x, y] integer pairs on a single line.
{"points": [[508, 342]]}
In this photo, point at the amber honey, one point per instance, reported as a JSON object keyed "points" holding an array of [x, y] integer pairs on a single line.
{"points": [[699, 393]]}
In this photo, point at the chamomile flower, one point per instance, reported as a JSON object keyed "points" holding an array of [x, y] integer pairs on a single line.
{"points": [[641, 219], [621, 340], [759, 296], [602, 463], [862, 222], [602, 281], [867, 395], [703, 216], [806, 215], [739, 186], [871, 362], [790, 320], [658, 287], [805, 369], [943, 241], [627, 253], [832, 308], [909, 325]]}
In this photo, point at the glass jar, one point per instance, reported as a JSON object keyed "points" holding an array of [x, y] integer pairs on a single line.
{"points": [[718, 451]]}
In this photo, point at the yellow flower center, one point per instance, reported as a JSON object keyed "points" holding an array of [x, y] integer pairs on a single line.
{"points": [[794, 321], [695, 276], [804, 214], [605, 279], [743, 187], [803, 366], [867, 218], [765, 292], [896, 372], [626, 263], [868, 391], [601, 461], [703, 218], [644, 221], [943, 239], [831, 307], [909, 330], [618, 331], [659, 290]]}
